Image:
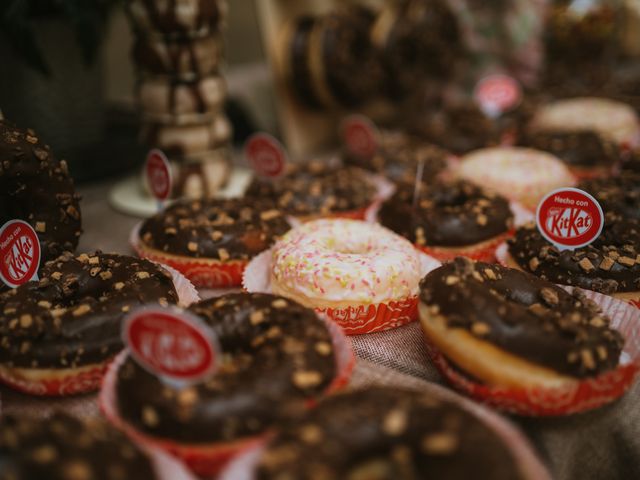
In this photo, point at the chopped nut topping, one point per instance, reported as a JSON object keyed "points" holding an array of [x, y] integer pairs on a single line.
{"points": [[43, 304], [256, 317], [94, 271], [94, 260], [150, 417], [586, 265], [192, 246], [598, 322], [118, 285], [56, 275], [44, 454], [534, 263], [187, 397], [216, 235], [482, 219], [311, 434], [41, 227], [606, 263], [602, 352], [451, 280], [106, 275], [490, 274], [549, 296], [269, 215], [223, 254], [306, 378], [439, 443], [538, 309], [627, 261], [279, 303], [77, 470], [26, 320], [587, 359], [81, 310], [395, 422], [323, 348], [142, 275], [480, 328]]}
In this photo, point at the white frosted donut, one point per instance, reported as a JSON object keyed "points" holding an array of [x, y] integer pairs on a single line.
{"points": [[521, 174], [337, 263], [613, 120]]}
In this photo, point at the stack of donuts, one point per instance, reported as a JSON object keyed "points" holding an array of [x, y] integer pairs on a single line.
{"points": [[181, 92]]}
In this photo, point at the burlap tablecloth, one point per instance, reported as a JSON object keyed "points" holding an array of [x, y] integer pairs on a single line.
{"points": [[603, 444]]}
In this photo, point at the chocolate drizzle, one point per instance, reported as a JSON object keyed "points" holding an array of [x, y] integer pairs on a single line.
{"points": [[446, 214], [275, 355], [611, 264], [36, 187], [524, 315], [315, 188], [234, 229], [72, 316], [384, 433], [64, 448]]}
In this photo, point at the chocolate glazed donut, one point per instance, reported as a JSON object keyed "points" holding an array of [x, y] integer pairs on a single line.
{"points": [[65, 448], [609, 265], [617, 194], [36, 187], [520, 329], [577, 149], [275, 355], [447, 214], [418, 40], [384, 434], [72, 316], [231, 229]]}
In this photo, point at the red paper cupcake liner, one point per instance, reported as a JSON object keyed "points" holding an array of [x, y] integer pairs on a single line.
{"points": [[209, 459], [88, 380], [356, 319], [485, 253], [374, 317], [584, 395], [207, 273]]}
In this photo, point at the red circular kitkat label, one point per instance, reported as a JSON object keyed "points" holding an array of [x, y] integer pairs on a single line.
{"points": [[570, 218], [19, 253], [360, 135], [266, 155], [172, 344], [497, 94], [158, 172]]}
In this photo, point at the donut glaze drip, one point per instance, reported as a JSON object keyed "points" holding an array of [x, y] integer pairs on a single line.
{"points": [[609, 265], [385, 434], [72, 316], [524, 315], [275, 355], [235, 229], [446, 214]]}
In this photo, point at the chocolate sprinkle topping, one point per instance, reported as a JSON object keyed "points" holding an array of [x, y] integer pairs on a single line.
{"points": [[234, 229], [446, 214], [64, 448], [36, 187], [577, 149], [524, 315], [72, 316], [275, 355], [383, 434], [620, 195]]}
